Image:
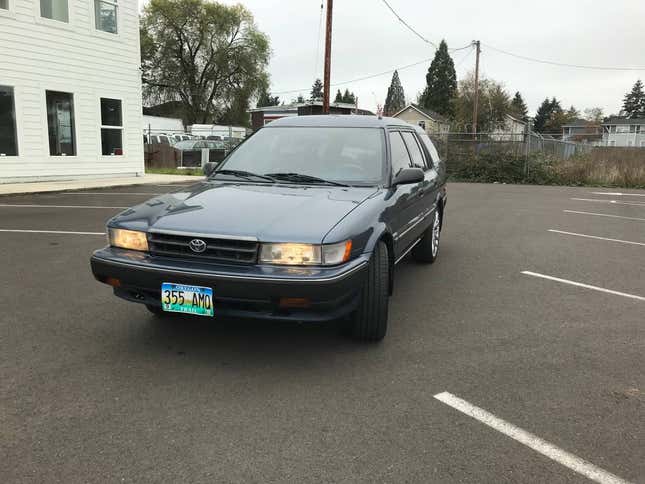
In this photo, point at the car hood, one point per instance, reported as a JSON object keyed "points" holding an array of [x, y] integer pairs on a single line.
{"points": [[270, 213]]}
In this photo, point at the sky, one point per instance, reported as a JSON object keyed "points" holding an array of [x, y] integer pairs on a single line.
{"points": [[368, 39]]}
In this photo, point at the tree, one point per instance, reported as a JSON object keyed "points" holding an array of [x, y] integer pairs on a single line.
{"points": [[266, 99], [542, 116], [594, 115], [634, 101], [441, 82], [208, 56], [317, 90], [518, 107], [557, 118], [349, 97], [494, 105], [339, 97], [395, 100]]}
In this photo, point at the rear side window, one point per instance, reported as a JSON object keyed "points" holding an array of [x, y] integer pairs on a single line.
{"points": [[432, 151], [418, 160], [400, 156]]}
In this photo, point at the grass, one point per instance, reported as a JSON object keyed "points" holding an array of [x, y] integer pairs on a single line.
{"points": [[590, 169], [175, 171]]}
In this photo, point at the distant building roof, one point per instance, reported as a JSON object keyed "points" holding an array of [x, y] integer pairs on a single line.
{"points": [[623, 120], [426, 112], [294, 107], [341, 120]]}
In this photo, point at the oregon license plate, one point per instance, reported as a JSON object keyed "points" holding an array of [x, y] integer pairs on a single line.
{"points": [[181, 298]]}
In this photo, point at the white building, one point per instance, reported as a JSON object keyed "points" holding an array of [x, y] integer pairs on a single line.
{"points": [[624, 132], [511, 129], [431, 122], [70, 89]]}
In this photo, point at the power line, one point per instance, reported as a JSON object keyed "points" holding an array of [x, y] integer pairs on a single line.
{"points": [[562, 64], [409, 27], [415, 32], [461, 61], [371, 76]]}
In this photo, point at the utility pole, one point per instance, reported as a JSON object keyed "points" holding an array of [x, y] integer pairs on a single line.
{"points": [[326, 86], [476, 103]]}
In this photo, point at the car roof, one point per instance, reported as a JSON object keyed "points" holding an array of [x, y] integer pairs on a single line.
{"points": [[338, 120]]}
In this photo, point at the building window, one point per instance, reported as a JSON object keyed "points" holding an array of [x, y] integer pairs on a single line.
{"points": [[8, 142], [105, 15], [55, 10], [4, 4], [422, 124], [111, 127], [60, 123]]}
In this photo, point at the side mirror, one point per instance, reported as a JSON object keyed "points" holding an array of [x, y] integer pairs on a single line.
{"points": [[209, 168], [408, 175]]}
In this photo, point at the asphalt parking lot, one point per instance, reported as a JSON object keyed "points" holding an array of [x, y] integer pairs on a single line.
{"points": [[534, 313]]}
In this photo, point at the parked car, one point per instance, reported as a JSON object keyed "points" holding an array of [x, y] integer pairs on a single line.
{"points": [[157, 139], [180, 137], [305, 221], [189, 153]]}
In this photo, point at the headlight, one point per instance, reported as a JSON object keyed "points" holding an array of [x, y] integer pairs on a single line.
{"points": [[305, 254], [128, 239]]}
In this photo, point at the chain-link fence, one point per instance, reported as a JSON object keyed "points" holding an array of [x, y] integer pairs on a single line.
{"points": [[465, 151]]}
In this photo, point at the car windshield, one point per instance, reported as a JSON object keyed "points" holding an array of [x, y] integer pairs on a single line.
{"points": [[345, 155]]}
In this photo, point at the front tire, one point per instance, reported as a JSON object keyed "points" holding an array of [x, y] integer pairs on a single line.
{"points": [[427, 250], [370, 319]]}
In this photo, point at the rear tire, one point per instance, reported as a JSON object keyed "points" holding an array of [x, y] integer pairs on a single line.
{"points": [[427, 249], [370, 319]]}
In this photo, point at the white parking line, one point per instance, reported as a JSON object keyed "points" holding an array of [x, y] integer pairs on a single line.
{"points": [[8, 205], [605, 215], [573, 462], [616, 202], [618, 194], [110, 193], [596, 237], [586, 286], [51, 232]]}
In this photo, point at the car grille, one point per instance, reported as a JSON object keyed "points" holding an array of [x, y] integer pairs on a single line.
{"points": [[217, 249]]}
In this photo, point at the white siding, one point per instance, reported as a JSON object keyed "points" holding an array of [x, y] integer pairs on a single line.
{"points": [[39, 54]]}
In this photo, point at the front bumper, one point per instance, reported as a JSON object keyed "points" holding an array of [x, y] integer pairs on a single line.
{"points": [[249, 291]]}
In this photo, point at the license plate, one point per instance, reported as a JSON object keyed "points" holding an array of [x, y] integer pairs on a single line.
{"points": [[180, 298]]}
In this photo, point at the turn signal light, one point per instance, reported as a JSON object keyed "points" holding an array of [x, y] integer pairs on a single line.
{"points": [[294, 302]]}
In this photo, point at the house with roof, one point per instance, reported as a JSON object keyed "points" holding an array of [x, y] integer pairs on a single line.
{"points": [[431, 122], [582, 131], [623, 132], [510, 129]]}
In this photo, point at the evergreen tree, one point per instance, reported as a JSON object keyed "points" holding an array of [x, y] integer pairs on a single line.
{"points": [[339, 97], [300, 99], [317, 90], [634, 101], [266, 99], [542, 116], [518, 107], [349, 97], [395, 100], [441, 82]]}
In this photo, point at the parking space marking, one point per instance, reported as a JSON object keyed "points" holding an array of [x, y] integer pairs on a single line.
{"points": [[110, 193], [618, 194], [596, 237], [605, 215], [616, 202], [586, 286], [51, 232], [10, 205], [573, 462]]}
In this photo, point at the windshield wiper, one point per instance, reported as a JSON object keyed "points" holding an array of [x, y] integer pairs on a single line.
{"points": [[301, 177], [242, 174]]}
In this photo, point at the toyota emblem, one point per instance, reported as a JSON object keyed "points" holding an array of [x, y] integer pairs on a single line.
{"points": [[197, 245]]}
